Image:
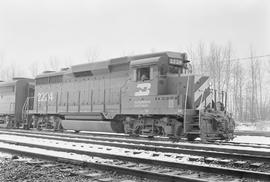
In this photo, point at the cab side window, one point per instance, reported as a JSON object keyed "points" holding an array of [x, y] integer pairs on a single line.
{"points": [[143, 74], [173, 69]]}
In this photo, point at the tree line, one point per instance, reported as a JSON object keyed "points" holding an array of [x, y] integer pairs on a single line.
{"points": [[244, 80]]}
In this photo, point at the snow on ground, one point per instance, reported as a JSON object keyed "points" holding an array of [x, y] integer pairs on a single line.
{"points": [[5, 155], [88, 147], [252, 139], [246, 128], [258, 126], [116, 150]]}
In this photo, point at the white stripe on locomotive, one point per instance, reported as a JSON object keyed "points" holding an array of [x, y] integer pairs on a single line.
{"points": [[206, 102], [201, 90]]}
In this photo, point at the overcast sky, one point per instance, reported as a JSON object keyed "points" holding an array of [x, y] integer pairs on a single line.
{"points": [[35, 30]]}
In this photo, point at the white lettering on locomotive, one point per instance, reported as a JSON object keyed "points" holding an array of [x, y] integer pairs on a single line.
{"points": [[171, 103], [45, 96], [142, 103], [176, 62], [144, 89]]}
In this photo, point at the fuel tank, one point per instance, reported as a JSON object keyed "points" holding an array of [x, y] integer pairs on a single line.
{"points": [[98, 126]]}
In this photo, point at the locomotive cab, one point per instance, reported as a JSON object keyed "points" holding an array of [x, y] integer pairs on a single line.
{"points": [[148, 90], [151, 107], [163, 97]]}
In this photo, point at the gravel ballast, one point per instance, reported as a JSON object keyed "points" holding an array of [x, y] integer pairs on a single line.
{"points": [[20, 169]]}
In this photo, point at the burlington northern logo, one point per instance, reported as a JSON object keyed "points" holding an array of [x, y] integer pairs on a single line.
{"points": [[144, 89]]}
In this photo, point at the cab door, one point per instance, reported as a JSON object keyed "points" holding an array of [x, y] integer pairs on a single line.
{"points": [[141, 90]]}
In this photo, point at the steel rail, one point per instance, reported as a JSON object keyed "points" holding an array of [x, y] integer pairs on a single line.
{"points": [[209, 169], [253, 133], [157, 146], [203, 153], [102, 166], [129, 137]]}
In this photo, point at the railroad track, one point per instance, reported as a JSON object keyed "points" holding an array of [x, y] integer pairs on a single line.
{"points": [[252, 133], [133, 157], [125, 137], [97, 163], [243, 153], [123, 166]]}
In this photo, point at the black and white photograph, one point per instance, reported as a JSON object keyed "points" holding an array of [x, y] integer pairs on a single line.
{"points": [[134, 90]]}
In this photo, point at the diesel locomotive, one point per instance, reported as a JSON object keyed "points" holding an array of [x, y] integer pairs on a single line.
{"points": [[152, 94]]}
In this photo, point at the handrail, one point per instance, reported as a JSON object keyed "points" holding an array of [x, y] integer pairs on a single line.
{"points": [[200, 109], [12, 110], [185, 113], [25, 109], [201, 99]]}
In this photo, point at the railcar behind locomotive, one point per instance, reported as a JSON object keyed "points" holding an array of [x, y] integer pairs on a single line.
{"points": [[150, 94], [12, 98]]}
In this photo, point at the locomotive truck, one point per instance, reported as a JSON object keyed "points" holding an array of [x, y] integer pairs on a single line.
{"points": [[151, 94]]}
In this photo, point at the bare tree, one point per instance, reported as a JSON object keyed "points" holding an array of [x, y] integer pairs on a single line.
{"points": [[34, 68], [8, 72], [253, 90], [227, 52], [2, 58], [193, 57], [67, 62], [260, 94], [91, 54], [237, 90], [54, 63], [202, 56], [216, 67], [243, 82]]}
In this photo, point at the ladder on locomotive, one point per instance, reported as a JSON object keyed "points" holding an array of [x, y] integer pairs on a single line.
{"points": [[193, 127], [25, 113]]}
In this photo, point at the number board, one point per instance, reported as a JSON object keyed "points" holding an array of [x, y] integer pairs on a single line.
{"points": [[177, 62]]}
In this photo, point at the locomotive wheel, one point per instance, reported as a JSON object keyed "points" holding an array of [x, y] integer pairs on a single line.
{"points": [[117, 126], [179, 131], [191, 137], [58, 125]]}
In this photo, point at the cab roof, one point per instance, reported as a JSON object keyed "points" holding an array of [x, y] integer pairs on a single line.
{"points": [[126, 60], [101, 65]]}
